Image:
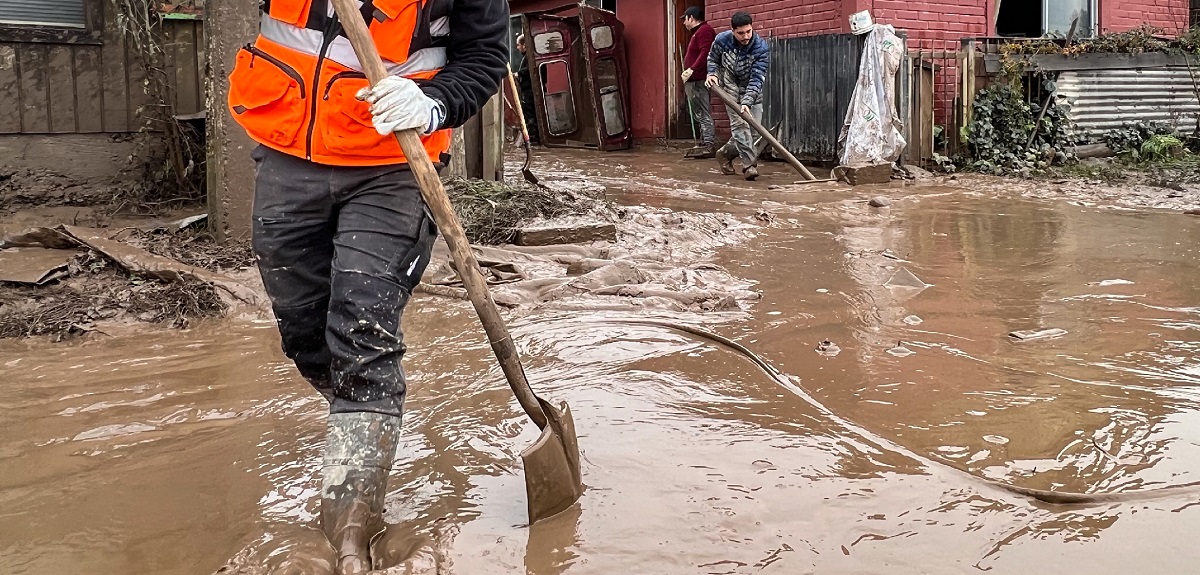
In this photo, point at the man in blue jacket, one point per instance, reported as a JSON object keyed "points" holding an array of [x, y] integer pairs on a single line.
{"points": [[738, 63]]}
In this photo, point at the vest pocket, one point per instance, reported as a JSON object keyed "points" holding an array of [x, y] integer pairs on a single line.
{"points": [[267, 96], [345, 121], [393, 25]]}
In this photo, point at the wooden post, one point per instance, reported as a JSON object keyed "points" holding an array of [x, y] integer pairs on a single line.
{"points": [[458, 154], [230, 171], [478, 145], [492, 139]]}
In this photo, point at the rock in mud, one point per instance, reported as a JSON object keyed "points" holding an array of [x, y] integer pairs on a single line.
{"points": [[1193, 212], [879, 202], [580, 234], [917, 173], [876, 174]]}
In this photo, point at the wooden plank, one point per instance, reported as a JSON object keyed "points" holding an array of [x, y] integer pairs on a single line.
{"points": [[141, 114], [188, 98], [170, 44], [89, 93], [492, 140], [202, 66], [60, 83], [10, 90], [113, 80], [35, 107]]}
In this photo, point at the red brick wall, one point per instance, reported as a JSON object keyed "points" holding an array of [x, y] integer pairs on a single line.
{"points": [[1121, 15], [780, 18], [937, 25]]}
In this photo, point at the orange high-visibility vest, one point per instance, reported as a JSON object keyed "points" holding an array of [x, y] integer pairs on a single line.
{"points": [[294, 88]]}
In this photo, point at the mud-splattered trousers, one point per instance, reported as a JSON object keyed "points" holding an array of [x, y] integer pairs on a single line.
{"points": [[340, 250], [741, 136]]}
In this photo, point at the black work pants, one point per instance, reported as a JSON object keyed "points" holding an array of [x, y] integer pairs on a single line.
{"points": [[340, 250]]}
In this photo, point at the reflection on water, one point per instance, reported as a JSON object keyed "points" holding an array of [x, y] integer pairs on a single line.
{"points": [[172, 453]]}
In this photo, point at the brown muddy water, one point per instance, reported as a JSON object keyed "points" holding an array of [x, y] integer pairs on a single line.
{"points": [[171, 453]]}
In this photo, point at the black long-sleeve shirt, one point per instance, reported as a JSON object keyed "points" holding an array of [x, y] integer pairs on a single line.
{"points": [[476, 56]]}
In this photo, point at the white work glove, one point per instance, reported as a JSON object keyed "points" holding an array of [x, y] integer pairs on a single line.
{"points": [[398, 104], [711, 81], [686, 74]]}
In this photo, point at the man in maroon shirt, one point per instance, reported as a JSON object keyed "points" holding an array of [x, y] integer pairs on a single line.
{"points": [[695, 64]]}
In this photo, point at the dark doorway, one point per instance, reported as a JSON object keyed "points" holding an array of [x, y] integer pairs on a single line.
{"points": [[681, 124]]}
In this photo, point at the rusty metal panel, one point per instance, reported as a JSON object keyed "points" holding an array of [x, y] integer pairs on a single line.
{"points": [[1102, 100], [809, 85]]}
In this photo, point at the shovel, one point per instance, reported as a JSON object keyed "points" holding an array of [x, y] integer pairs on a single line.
{"points": [[552, 478], [736, 107], [512, 81]]}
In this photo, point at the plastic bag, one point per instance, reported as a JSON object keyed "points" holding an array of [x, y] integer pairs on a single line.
{"points": [[871, 134]]}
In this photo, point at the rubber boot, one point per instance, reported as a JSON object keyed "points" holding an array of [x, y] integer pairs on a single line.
{"points": [[751, 173], [359, 450], [726, 162]]}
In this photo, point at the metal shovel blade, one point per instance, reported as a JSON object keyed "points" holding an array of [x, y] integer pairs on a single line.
{"points": [[525, 171], [553, 481]]}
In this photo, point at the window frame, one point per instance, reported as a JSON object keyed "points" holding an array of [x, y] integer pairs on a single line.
{"points": [[91, 33]]}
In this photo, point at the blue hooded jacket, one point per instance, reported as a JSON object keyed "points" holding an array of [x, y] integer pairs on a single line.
{"points": [[741, 66]]}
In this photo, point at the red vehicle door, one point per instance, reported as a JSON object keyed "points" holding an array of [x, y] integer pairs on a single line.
{"points": [[604, 38], [563, 119]]}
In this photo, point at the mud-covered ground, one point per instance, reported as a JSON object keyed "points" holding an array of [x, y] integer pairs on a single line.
{"points": [[94, 292], [903, 398]]}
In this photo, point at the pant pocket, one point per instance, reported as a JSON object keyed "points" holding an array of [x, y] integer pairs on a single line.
{"points": [[411, 267]]}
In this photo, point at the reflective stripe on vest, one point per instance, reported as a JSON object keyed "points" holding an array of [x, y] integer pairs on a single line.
{"points": [[309, 41]]}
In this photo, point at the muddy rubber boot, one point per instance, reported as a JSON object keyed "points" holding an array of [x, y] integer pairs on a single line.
{"points": [[751, 173], [359, 450], [726, 162]]}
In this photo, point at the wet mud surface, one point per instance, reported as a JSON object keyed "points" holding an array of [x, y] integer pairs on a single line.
{"points": [[197, 451]]}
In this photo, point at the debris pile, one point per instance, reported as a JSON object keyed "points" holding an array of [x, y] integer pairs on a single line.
{"points": [[492, 212]]}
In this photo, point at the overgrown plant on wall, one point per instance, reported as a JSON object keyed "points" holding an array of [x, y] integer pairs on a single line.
{"points": [[1001, 137], [180, 176]]}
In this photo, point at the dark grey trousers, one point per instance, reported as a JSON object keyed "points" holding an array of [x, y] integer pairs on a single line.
{"points": [[701, 104], [340, 250]]}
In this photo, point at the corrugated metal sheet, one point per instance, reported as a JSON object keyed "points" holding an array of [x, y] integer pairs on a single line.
{"points": [[809, 86], [1102, 100]]}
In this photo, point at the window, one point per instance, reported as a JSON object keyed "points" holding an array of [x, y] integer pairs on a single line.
{"points": [[556, 93], [610, 5], [47, 13], [602, 37], [1035, 18]]}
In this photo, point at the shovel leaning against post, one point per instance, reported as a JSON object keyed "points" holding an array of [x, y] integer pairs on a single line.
{"points": [[528, 175], [762, 131], [552, 476]]}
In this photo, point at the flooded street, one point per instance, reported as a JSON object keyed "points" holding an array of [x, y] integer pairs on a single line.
{"points": [[173, 452]]}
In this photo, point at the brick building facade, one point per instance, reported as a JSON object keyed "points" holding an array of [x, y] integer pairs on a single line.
{"points": [[654, 37]]}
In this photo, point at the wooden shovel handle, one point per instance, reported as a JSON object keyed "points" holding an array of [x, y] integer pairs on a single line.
{"points": [[512, 81], [733, 104], [443, 214]]}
